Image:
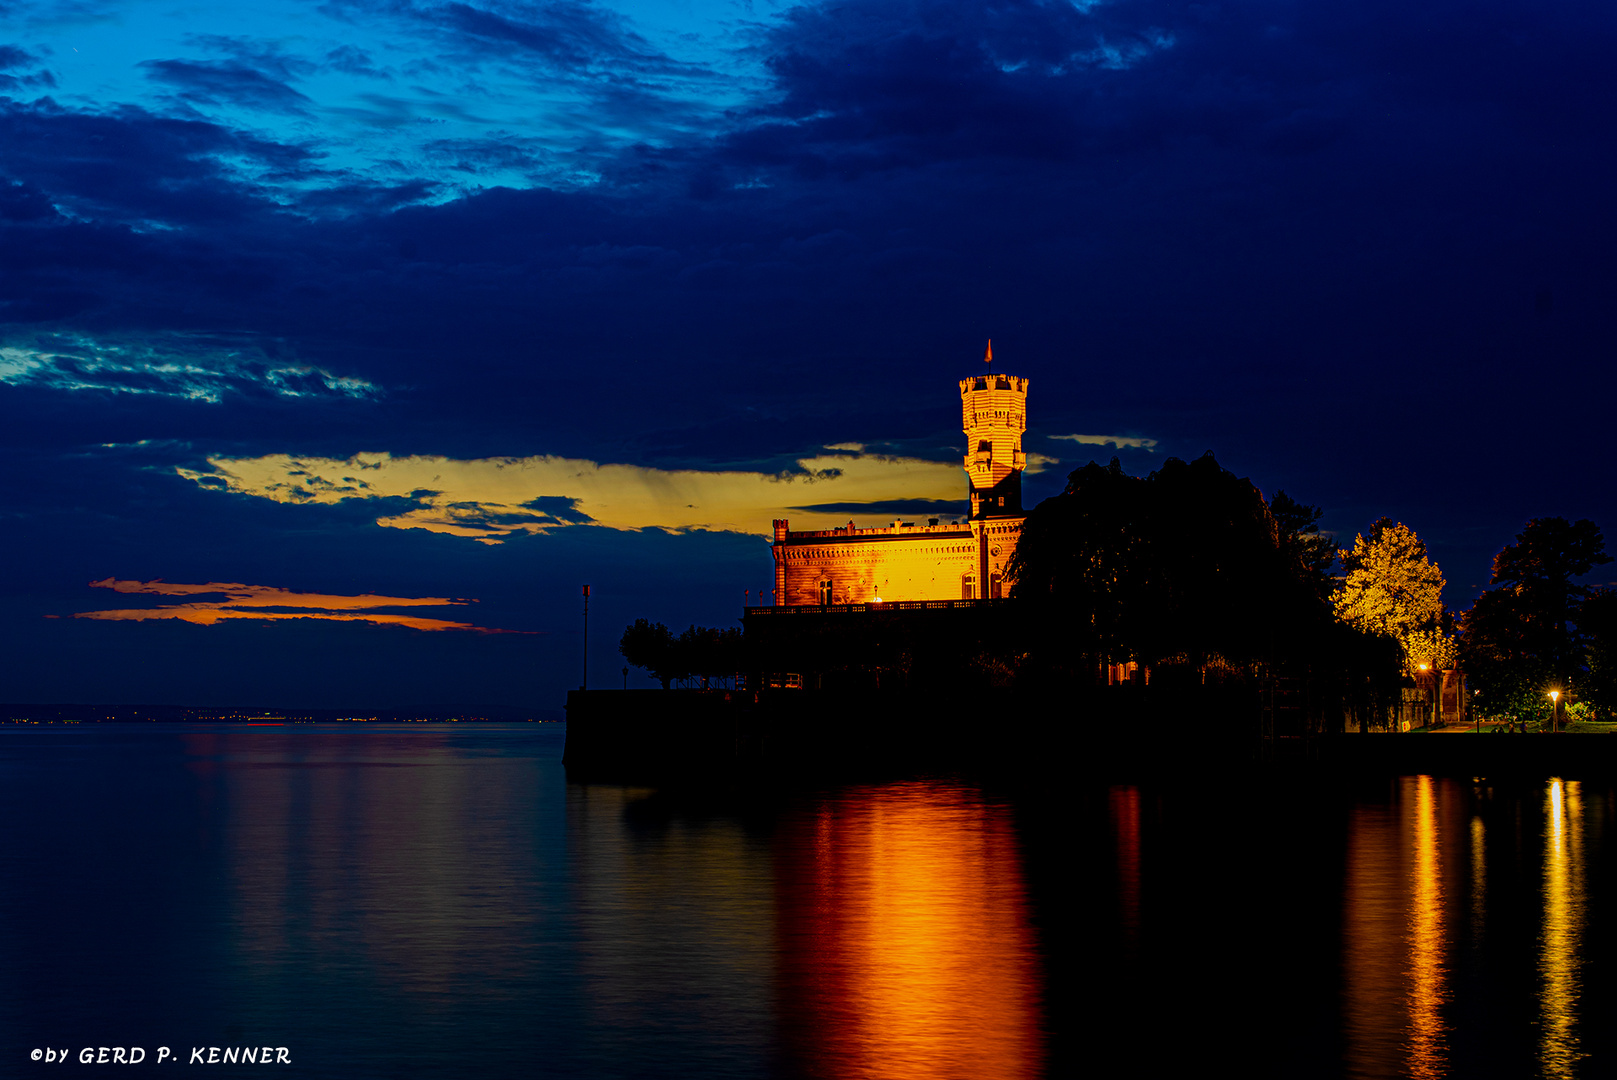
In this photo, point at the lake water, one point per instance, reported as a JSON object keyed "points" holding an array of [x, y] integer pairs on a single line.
{"points": [[401, 901]]}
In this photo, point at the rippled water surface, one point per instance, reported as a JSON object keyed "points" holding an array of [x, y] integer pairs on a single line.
{"points": [[439, 901]]}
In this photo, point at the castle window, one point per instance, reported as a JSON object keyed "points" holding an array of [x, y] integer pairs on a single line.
{"points": [[968, 587], [985, 447], [825, 591], [995, 586]]}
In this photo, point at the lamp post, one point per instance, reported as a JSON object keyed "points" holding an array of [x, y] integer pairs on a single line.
{"points": [[1426, 690], [585, 685], [1555, 710]]}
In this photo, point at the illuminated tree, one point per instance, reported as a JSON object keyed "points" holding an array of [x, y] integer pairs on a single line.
{"points": [[1523, 636], [1393, 588]]}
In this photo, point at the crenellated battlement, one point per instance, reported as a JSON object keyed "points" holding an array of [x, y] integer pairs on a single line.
{"points": [[993, 414], [980, 383]]}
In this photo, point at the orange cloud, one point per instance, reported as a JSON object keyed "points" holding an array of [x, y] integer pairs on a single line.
{"points": [[256, 601]]}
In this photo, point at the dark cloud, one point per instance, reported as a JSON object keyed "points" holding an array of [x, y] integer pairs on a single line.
{"points": [[352, 60], [14, 56], [558, 508], [15, 79], [919, 509], [127, 164], [270, 58], [20, 203], [227, 82]]}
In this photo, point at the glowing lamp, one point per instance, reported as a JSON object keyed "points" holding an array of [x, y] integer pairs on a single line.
{"points": [[1555, 696]]}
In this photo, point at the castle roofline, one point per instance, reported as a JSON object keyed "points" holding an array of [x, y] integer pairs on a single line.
{"points": [[992, 380]]}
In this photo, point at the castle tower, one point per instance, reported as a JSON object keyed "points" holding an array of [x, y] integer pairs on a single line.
{"points": [[994, 415]]}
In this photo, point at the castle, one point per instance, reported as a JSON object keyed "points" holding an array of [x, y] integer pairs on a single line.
{"points": [[905, 561]]}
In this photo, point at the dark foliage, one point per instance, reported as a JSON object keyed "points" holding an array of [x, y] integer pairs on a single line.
{"points": [[1597, 619], [699, 651], [1190, 571], [1523, 637], [650, 646], [1187, 562]]}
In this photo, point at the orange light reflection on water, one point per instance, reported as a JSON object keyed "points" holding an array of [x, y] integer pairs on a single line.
{"points": [[1396, 937], [1125, 811], [909, 935], [1428, 984], [1558, 963]]}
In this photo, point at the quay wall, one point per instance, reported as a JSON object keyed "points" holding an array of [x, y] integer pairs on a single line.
{"points": [[665, 735]]}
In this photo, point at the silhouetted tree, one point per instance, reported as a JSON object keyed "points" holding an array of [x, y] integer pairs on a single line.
{"points": [[1597, 619], [650, 646], [699, 650], [1521, 637], [1393, 588], [1190, 570], [1081, 559], [1311, 554], [1186, 562], [710, 651]]}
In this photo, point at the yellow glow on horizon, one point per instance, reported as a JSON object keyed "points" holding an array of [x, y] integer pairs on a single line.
{"points": [[490, 498]]}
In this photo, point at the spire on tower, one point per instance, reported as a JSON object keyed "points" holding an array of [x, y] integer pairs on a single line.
{"points": [[988, 357]]}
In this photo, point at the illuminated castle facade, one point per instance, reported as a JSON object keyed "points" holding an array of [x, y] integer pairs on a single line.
{"points": [[957, 560]]}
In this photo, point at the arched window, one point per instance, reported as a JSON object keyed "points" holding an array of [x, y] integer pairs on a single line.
{"points": [[825, 591], [968, 587]]}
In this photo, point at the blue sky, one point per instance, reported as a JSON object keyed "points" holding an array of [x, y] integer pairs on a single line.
{"points": [[477, 301]]}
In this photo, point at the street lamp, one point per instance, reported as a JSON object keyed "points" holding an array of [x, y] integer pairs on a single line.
{"points": [[585, 685], [1555, 709]]}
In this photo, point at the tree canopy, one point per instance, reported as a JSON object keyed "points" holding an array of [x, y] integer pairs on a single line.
{"points": [[1393, 588], [1188, 562], [1597, 618], [1522, 638], [697, 651]]}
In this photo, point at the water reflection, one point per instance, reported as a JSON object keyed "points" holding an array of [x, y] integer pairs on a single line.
{"points": [[1125, 813], [1428, 979], [675, 917], [381, 849], [1396, 935], [1479, 878], [906, 948], [1559, 963]]}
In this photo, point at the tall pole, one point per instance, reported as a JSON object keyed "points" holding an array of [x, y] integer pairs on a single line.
{"points": [[586, 684]]}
